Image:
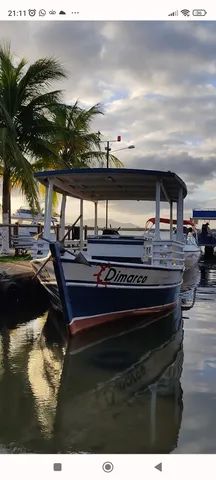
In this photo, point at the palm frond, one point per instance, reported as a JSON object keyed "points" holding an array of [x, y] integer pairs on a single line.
{"points": [[27, 126], [39, 75]]}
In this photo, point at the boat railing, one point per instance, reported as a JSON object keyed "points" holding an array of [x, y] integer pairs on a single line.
{"points": [[167, 253], [40, 248], [76, 244]]}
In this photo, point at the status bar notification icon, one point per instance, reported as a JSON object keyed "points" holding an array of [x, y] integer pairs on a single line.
{"points": [[32, 12], [42, 13]]}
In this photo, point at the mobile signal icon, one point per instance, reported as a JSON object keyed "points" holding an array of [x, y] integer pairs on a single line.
{"points": [[173, 14]]}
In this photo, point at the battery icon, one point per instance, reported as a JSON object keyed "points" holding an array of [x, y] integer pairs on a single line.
{"points": [[199, 12]]}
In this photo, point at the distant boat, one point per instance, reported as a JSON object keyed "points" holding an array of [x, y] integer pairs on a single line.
{"points": [[23, 213], [26, 214]]}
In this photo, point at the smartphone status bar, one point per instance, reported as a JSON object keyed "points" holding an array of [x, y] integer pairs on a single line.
{"points": [[97, 10]]}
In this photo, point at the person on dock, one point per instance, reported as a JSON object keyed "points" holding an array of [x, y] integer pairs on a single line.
{"points": [[206, 229]]}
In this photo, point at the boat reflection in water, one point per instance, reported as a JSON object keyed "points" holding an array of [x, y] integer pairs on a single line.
{"points": [[123, 394], [111, 390]]}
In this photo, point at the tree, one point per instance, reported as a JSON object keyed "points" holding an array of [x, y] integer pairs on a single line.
{"points": [[74, 142], [26, 124]]}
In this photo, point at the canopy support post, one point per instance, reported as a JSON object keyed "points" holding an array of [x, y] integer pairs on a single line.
{"points": [[81, 225], [157, 211], [96, 218], [180, 235], [171, 220], [48, 211], [62, 216]]}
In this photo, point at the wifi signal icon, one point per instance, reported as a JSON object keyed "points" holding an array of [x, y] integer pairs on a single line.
{"points": [[185, 12]]}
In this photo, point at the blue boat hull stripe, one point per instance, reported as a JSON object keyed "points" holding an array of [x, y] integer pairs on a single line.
{"points": [[88, 302]]}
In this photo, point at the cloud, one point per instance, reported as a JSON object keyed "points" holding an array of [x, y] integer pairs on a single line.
{"points": [[157, 82], [195, 170]]}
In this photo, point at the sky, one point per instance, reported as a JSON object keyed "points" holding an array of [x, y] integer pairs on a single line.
{"points": [[157, 84]]}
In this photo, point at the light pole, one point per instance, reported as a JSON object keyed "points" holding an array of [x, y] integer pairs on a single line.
{"points": [[108, 150]]}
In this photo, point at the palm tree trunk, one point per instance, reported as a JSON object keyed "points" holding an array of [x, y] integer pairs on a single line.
{"points": [[5, 211]]}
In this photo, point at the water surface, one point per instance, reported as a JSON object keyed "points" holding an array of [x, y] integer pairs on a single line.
{"points": [[122, 389]]}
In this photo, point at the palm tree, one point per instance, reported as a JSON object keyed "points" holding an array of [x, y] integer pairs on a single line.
{"points": [[26, 124], [75, 145]]}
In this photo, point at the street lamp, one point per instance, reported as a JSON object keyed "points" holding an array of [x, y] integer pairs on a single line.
{"points": [[108, 150], [125, 148]]}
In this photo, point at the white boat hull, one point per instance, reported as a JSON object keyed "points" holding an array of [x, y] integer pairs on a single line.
{"points": [[192, 255]]}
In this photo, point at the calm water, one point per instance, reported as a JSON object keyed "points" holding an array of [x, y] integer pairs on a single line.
{"points": [[115, 390]]}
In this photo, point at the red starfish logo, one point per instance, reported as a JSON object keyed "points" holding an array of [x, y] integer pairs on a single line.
{"points": [[100, 280]]}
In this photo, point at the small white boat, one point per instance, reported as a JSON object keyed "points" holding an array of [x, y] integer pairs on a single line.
{"points": [[191, 280], [192, 251], [25, 214], [111, 276]]}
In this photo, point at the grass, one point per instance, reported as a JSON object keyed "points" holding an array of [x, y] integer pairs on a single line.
{"points": [[14, 259]]}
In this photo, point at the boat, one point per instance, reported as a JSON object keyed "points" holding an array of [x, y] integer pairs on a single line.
{"points": [[192, 251], [109, 277], [25, 214], [27, 226], [191, 280]]}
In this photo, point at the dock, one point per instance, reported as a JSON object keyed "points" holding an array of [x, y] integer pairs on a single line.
{"points": [[207, 241], [19, 286]]}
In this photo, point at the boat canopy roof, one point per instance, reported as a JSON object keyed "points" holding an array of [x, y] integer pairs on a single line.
{"points": [[96, 184]]}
